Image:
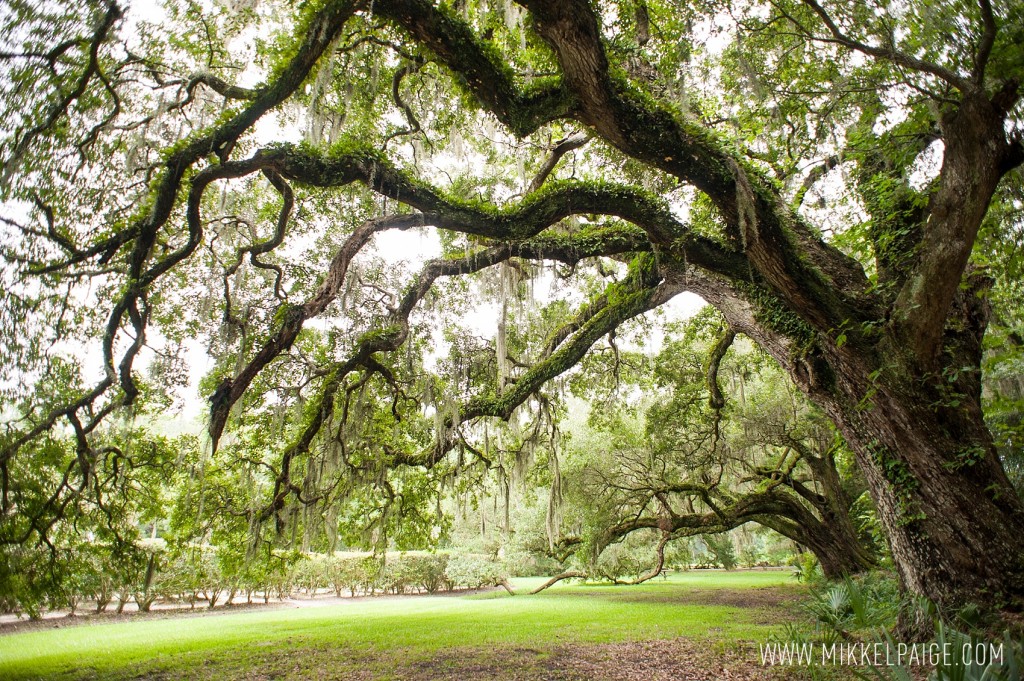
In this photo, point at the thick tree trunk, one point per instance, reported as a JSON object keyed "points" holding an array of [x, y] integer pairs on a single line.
{"points": [[834, 544], [954, 522], [909, 399], [838, 561]]}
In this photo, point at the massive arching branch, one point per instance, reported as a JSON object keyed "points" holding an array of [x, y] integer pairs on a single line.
{"points": [[635, 295], [530, 217]]}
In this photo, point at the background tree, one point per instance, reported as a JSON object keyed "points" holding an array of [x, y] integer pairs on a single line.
{"points": [[718, 440]]}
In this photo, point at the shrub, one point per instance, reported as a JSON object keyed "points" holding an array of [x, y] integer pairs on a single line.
{"points": [[863, 602], [807, 568], [311, 573], [355, 574], [395, 577], [427, 571], [474, 571]]}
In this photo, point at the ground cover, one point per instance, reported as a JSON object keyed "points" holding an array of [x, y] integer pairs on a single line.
{"points": [[695, 625]]}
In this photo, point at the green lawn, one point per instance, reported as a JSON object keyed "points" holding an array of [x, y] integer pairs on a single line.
{"points": [[364, 638]]}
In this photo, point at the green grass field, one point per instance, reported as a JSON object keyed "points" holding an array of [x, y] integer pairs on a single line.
{"points": [[447, 636]]}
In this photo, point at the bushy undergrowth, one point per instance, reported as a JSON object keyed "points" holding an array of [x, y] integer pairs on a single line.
{"points": [[865, 611], [860, 603], [401, 573]]}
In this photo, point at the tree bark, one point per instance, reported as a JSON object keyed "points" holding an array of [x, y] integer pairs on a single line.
{"points": [[568, 574], [954, 523]]}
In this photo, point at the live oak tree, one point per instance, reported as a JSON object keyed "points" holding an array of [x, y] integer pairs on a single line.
{"points": [[720, 441], [152, 194]]}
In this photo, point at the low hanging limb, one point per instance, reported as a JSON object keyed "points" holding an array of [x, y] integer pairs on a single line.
{"points": [[568, 574], [660, 565], [666, 536]]}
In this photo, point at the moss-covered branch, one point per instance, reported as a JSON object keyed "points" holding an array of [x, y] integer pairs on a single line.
{"points": [[479, 67], [394, 332], [817, 282], [626, 300]]}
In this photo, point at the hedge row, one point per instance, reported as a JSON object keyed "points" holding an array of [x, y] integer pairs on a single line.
{"points": [[416, 572], [201, 573]]}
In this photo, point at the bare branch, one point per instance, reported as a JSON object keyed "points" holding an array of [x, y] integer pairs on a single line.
{"points": [[988, 39], [221, 87], [891, 53]]}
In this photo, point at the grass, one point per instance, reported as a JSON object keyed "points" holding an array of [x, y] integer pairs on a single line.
{"points": [[364, 634]]}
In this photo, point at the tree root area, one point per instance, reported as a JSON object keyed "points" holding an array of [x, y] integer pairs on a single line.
{"points": [[667, 660], [680, 659]]}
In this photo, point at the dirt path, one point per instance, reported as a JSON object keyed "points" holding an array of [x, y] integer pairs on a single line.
{"points": [[671, 660]]}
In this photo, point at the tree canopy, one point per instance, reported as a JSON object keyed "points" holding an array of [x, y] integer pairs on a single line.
{"points": [[841, 181]]}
